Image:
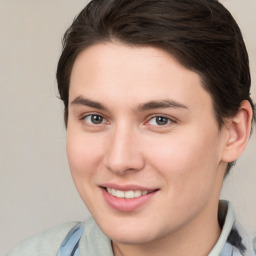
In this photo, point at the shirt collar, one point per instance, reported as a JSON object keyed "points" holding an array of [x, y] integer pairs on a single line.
{"points": [[233, 240]]}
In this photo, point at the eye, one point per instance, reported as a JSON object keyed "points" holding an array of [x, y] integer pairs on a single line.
{"points": [[94, 119], [159, 120]]}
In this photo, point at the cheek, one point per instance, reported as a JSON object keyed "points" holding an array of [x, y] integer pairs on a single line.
{"points": [[186, 160], [179, 152], [83, 154]]}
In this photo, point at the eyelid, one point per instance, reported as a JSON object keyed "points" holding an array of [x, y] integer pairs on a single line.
{"points": [[171, 119], [82, 118]]}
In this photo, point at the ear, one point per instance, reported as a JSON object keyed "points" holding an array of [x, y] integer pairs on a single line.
{"points": [[238, 128]]}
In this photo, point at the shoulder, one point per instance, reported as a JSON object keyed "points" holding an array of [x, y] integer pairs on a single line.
{"points": [[45, 243]]}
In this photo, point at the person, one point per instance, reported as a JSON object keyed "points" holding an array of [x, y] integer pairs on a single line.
{"points": [[157, 108]]}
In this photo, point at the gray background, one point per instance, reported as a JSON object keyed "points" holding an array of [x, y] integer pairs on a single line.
{"points": [[36, 189]]}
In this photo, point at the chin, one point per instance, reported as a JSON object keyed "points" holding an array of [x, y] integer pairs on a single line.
{"points": [[131, 238], [131, 233]]}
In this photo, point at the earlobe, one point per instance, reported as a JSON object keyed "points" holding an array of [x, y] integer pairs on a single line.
{"points": [[239, 128]]}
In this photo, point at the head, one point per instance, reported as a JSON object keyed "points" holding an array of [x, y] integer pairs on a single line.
{"points": [[202, 35], [120, 61]]}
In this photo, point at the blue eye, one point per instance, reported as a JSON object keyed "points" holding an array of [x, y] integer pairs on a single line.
{"points": [[94, 119], [159, 120]]}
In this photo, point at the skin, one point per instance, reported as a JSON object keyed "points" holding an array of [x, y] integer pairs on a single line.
{"points": [[184, 157]]}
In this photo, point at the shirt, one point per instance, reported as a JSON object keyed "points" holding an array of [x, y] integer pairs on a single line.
{"points": [[87, 239]]}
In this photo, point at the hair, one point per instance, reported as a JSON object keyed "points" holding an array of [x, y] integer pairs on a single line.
{"points": [[201, 34]]}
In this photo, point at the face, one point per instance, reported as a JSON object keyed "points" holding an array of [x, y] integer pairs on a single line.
{"points": [[143, 144]]}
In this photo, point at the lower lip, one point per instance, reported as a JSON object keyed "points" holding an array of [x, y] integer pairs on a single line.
{"points": [[126, 204]]}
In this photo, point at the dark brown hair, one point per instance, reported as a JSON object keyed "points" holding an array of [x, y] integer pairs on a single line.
{"points": [[201, 34]]}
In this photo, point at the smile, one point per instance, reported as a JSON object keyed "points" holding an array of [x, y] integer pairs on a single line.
{"points": [[126, 194], [127, 198]]}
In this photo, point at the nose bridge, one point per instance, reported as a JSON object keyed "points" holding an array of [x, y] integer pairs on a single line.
{"points": [[123, 151]]}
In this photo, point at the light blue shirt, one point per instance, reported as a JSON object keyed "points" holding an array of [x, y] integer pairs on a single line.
{"points": [[87, 239]]}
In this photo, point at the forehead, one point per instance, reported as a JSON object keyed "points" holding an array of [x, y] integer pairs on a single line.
{"points": [[130, 74]]}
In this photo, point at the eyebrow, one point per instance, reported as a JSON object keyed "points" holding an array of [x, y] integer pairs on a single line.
{"points": [[161, 104], [158, 104], [86, 102]]}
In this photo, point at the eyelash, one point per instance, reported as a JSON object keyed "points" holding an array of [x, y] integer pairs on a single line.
{"points": [[169, 120], [93, 115]]}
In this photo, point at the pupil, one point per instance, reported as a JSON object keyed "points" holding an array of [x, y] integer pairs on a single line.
{"points": [[96, 119], [161, 120]]}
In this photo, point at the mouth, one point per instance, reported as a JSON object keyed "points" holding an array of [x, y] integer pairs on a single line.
{"points": [[129, 194], [127, 198]]}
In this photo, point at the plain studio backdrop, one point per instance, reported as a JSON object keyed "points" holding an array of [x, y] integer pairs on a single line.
{"points": [[36, 189]]}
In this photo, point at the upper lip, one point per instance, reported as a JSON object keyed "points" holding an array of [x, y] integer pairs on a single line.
{"points": [[127, 187]]}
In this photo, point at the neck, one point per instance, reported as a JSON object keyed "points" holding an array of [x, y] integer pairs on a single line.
{"points": [[195, 238]]}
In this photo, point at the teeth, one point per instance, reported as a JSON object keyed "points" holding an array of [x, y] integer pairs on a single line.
{"points": [[119, 193], [129, 194], [126, 194], [137, 193]]}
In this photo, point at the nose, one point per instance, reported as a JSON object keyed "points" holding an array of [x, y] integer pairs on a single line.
{"points": [[124, 154]]}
